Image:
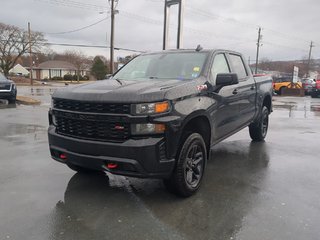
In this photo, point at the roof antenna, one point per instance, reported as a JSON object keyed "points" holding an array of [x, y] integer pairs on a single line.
{"points": [[199, 48]]}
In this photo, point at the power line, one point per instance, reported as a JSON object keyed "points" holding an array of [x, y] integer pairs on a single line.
{"points": [[84, 46], [79, 29], [211, 15], [284, 46], [216, 16], [92, 46], [75, 4], [87, 6]]}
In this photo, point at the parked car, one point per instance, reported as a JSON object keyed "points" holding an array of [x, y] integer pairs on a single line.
{"points": [[159, 115], [8, 89], [308, 84], [316, 89], [280, 84]]}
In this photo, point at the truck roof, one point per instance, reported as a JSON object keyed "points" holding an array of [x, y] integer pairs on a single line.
{"points": [[191, 50]]}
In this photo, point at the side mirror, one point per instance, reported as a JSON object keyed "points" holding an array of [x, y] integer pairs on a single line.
{"points": [[226, 79], [108, 76]]}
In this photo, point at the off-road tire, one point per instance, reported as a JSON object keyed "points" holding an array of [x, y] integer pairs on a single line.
{"points": [[12, 100], [281, 90], [189, 170], [258, 129]]}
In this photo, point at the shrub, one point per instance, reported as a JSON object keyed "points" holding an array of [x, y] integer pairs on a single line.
{"points": [[56, 78], [67, 77]]}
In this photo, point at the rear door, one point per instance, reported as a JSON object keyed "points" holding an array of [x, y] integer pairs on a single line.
{"points": [[245, 90]]}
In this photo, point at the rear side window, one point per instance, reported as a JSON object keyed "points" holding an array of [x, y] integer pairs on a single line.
{"points": [[238, 66]]}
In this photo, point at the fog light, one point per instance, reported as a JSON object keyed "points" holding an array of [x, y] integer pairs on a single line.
{"points": [[147, 128]]}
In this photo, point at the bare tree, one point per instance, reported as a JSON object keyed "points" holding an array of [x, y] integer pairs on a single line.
{"points": [[78, 59], [14, 43]]}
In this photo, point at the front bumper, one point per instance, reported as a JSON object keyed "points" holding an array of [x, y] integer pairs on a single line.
{"points": [[145, 158], [5, 94]]}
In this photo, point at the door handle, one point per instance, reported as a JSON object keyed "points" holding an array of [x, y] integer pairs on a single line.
{"points": [[235, 91], [252, 87]]}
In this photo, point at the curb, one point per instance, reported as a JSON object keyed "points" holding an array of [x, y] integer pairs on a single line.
{"points": [[27, 100]]}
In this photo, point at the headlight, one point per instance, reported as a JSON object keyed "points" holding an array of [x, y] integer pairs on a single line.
{"points": [[147, 128], [151, 108]]}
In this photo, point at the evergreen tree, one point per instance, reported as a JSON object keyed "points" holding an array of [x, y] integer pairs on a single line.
{"points": [[99, 70]]}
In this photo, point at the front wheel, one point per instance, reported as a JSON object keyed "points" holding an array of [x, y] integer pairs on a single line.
{"points": [[191, 162], [258, 129], [12, 100]]}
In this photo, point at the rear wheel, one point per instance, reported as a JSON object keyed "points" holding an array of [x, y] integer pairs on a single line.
{"points": [[258, 129], [281, 90], [191, 162]]}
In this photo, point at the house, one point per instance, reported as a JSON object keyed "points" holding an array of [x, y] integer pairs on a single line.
{"points": [[50, 69], [19, 70]]}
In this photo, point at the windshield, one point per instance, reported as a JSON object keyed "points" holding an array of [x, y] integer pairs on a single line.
{"points": [[2, 77], [183, 66]]}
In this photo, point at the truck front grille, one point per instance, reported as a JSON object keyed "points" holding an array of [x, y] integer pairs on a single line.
{"points": [[92, 130], [92, 107]]}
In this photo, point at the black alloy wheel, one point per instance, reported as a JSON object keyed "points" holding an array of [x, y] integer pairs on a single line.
{"points": [[194, 165], [191, 162], [258, 129]]}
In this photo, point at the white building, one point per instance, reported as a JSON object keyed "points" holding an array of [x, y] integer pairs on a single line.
{"points": [[19, 70], [50, 69]]}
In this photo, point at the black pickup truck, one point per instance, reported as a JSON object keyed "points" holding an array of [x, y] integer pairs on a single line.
{"points": [[159, 115]]}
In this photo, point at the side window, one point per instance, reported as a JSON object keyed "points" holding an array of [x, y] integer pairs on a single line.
{"points": [[238, 66], [220, 65]]}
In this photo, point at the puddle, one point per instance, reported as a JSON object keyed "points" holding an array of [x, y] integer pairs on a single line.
{"points": [[5, 104], [299, 109], [13, 130], [41, 91]]}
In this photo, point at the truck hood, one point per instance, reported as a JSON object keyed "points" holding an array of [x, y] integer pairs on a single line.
{"points": [[5, 81], [127, 91]]}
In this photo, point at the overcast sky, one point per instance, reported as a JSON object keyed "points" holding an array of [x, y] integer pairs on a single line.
{"points": [[288, 27]]}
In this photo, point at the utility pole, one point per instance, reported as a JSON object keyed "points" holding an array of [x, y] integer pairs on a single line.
{"points": [[167, 5], [30, 54], [113, 13], [309, 59], [258, 48]]}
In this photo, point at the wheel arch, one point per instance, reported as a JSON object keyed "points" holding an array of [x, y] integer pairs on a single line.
{"points": [[198, 122], [267, 101]]}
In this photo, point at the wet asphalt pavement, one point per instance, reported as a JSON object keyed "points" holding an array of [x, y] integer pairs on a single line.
{"points": [[255, 191]]}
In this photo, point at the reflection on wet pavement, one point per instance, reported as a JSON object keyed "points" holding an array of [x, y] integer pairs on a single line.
{"points": [[133, 205], [301, 108], [251, 191], [34, 91]]}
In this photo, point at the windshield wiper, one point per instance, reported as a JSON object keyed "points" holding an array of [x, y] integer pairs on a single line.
{"points": [[118, 80]]}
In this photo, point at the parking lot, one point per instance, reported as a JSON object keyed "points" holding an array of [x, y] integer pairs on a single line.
{"points": [[266, 190]]}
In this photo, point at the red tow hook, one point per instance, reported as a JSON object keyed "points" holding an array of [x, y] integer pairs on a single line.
{"points": [[112, 165]]}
